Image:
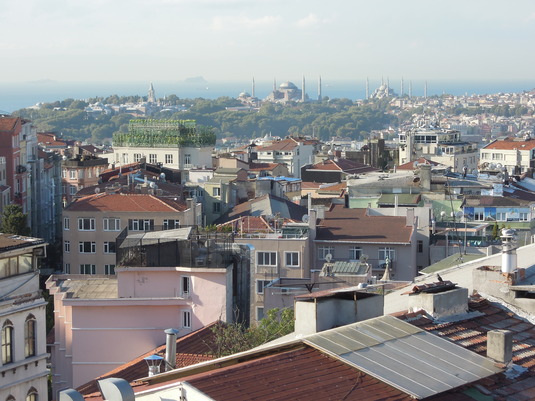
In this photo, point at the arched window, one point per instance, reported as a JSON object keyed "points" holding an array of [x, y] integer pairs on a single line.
{"points": [[10, 398], [32, 394], [29, 336], [7, 342]]}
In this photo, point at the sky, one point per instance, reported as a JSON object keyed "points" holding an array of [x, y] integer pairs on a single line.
{"points": [[228, 40]]}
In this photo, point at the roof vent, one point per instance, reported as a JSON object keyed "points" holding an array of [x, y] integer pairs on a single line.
{"points": [[116, 389]]}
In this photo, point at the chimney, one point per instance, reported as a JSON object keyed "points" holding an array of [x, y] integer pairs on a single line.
{"points": [[500, 345], [170, 349], [509, 259], [425, 176], [440, 305]]}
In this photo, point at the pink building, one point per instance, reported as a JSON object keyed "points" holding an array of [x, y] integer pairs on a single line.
{"points": [[95, 314]]}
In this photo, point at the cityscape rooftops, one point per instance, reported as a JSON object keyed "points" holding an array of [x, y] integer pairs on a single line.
{"points": [[511, 144], [126, 203]]}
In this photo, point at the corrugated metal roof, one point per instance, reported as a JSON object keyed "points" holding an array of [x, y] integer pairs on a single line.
{"points": [[404, 356], [341, 267]]}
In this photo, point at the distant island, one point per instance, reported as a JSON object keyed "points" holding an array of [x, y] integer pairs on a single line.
{"points": [[195, 80]]}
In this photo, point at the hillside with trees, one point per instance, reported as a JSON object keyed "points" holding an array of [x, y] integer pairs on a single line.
{"points": [[335, 117]]}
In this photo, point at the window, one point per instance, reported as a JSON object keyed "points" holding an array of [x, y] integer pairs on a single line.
{"points": [[67, 246], [153, 159], [67, 268], [87, 246], [72, 189], [29, 336], [186, 319], [187, 159], [64, 189], [109, 269], [168, 159], [109, 246], [141, 224], [87, 269], [7, 342], [66, 223], [355, 253], [266, 258], [137, 157], [259, 313], [72, 174], [86, 224], [260, 285], [217, 207], [292, 259], [170, 224], [523, 216], [185, 286], [384, 253], [64, 173], [323, 251], [420, 245], [479, 216], [111, 224], [501, 216], [32, 395], [216, 191], [125, 157]]}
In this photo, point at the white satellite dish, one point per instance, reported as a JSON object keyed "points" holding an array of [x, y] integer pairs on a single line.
{"points": [[328, 258], [305, 218], [97, 190]]}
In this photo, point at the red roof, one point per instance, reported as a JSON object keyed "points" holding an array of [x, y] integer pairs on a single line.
{"points": [[300, 374], [410, 165], [8, 123], [344, 224], [471, 333], [192, 348], [285, 144], [126, 203], [345, 165], [263, 166], [510, 144]]}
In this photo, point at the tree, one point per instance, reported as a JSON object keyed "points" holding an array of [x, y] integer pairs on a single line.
{"points": [[14, 221], [236, 337]]}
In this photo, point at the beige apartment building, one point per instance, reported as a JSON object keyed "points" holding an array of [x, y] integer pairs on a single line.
{"points": [[91, 225]]}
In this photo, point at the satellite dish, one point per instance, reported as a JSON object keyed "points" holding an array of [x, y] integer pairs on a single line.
{"points": [[415, 164], [442, 213], [152, 184], [97, 190], [499, 165], [305, 218], [459, 214], [328, 258]]}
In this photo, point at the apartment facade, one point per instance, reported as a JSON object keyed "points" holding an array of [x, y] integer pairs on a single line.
{"points": [[23, 363], [92, 224], [513, 155], [293, 152]]}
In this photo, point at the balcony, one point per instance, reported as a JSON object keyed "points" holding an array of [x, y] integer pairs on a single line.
{"points": [[21, 169]]}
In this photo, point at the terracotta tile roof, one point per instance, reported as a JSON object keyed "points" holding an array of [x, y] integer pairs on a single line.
{"points": [[50, 139], [344, 224], [310, 185], [345, 165], [126, 203], [510, 144], [283, 145], [301, 374], [471, 333], [252, 224], [8, 123], [410, 165], [263, 166], [192, 348]]}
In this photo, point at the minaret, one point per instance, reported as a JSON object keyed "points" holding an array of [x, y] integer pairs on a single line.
{"points": [[410, 89], [425, 90], [367, 88], [151, 98], [319, 89], [387, 86], [303, 91], [401, 94], [253, 89], [274, 84]]}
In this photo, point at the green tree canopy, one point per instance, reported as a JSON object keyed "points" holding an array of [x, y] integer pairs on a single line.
{"points": [[14, 221]]}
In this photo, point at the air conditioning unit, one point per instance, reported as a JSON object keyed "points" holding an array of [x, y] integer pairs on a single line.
{"points": [[200, 261]]}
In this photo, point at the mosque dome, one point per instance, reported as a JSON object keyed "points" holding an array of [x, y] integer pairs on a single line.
{"points": [[287, 86]]}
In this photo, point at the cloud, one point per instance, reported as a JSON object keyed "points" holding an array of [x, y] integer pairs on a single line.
{"points": [[311, 20], [240, 23]]}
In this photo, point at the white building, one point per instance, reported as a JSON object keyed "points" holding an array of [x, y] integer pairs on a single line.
{"points": [[515, 155], [23, 370], [294, 152]]}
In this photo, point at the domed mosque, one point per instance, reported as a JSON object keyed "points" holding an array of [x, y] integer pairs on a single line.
{"points": [[383, 91], [287, 92]]}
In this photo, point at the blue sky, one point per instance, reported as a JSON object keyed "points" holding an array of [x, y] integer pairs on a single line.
{"points": [[155, 40]]}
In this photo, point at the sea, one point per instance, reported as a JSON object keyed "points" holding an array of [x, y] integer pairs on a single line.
{"points": [[18, 95]]}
